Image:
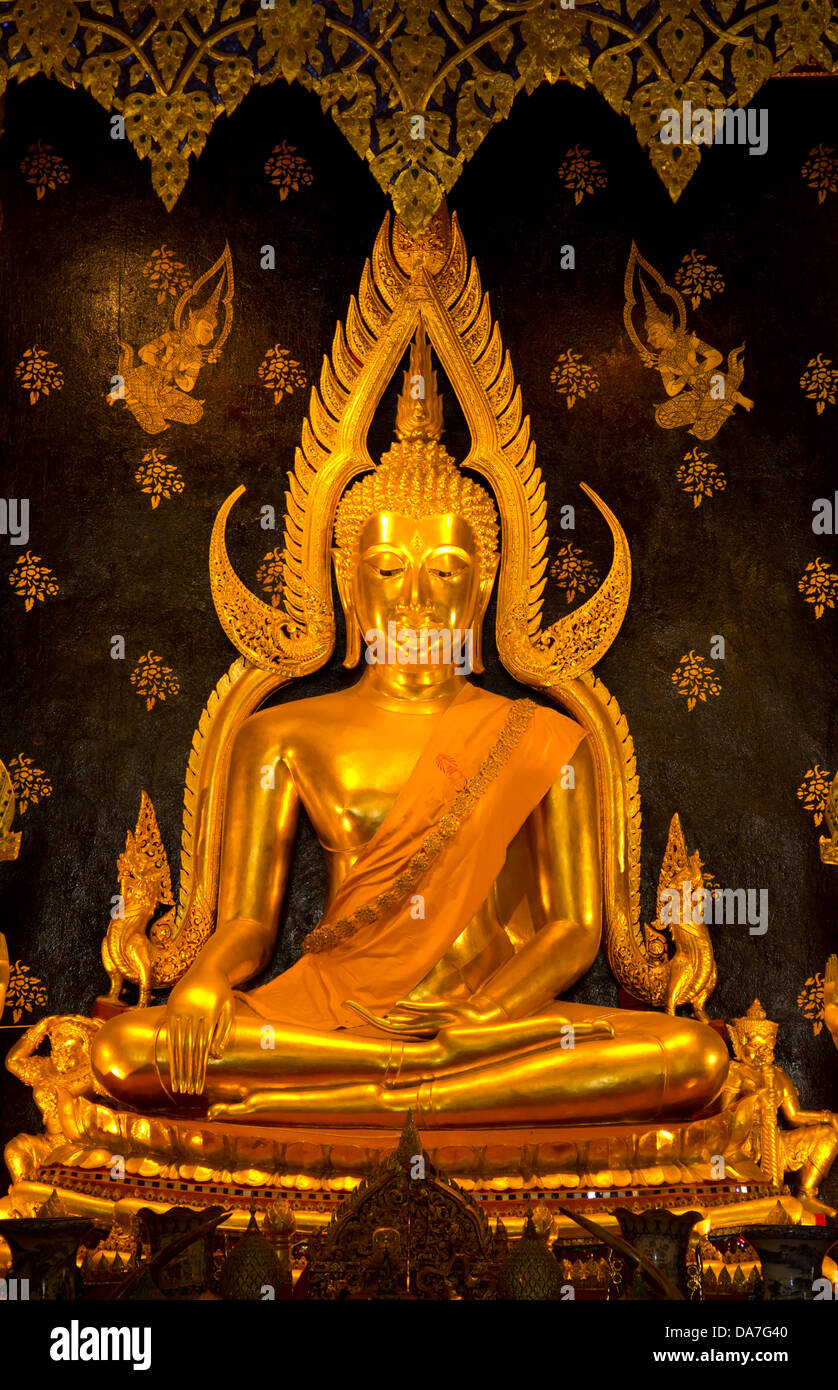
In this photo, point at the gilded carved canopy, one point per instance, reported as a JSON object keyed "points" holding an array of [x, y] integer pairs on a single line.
{"points": [[414, 85]]}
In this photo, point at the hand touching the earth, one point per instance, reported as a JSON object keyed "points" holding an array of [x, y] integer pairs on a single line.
{"points": [[199, 1020]]}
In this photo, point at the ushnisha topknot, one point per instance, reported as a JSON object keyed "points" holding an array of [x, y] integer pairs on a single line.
{"points": [[417, 477]]}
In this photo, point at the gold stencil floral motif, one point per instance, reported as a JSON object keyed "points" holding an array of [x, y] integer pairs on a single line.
{"points": [[574, 572], [281, 373], [820, 171], [414, 85], [699, 394], [814, 790], [158, 478], [698, 278], [700, 476], [573, 378], [157, 389], [819, 586], [271, 575], [44, 168], [819, 382], [37, 374], [31, 783], [33, 581], [166, 274], [695, 679], [25, 992], [154, 680], [810, 1001], [581, 173], [288, 169]]}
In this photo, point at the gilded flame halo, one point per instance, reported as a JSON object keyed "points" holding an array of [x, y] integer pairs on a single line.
{"points": [[418, 285]]}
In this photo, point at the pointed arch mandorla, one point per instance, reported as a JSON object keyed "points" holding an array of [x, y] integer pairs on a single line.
{"points": [[428, 280]]}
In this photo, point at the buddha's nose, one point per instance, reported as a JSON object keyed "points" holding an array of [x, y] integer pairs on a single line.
{"points": [[416, 595]]}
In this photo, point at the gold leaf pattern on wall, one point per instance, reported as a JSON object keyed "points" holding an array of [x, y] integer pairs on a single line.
{"points": [[43, 168], [819, 382], [698, 278], [819, 586], [695, 679], [581, 173], [288, 169], [455, 65], [153, 680], [281, 373], [814, 790], [574, 572], [166, 274], [700, 476], [37, 374], [158, 478], [573, 378], [31, 783], [820, 171], [810, 1001], [32, 581], [25, 992]]}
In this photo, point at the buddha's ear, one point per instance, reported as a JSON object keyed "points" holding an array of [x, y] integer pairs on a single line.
{"points": [[484, 593], [343, 577]]}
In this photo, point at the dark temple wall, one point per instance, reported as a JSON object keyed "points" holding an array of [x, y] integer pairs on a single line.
{"points": [[73, 286]]}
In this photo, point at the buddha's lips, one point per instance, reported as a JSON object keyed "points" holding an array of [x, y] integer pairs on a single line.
{"points": [[434, 636]]}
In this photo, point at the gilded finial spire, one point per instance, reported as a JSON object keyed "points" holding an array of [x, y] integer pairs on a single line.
{"points": [[419, 412], [409, 1144]]}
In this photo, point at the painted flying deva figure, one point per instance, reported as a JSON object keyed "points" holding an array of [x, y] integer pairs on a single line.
{"points": [[157, 389], [700, 396]]}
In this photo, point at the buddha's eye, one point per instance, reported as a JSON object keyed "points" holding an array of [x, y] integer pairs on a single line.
{"points": [[446, 567], [386, 566]]}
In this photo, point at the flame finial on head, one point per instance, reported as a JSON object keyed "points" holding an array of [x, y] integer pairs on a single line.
{"points": [[419, 412]]}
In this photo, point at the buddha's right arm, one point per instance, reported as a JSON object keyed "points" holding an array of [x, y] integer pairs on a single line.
{"points": [[260, 824]]}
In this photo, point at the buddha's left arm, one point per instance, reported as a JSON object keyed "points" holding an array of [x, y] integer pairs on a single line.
{"points": [[564, 841]]}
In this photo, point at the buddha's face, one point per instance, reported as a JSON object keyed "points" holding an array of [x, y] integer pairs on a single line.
{"points": [[418, 575]]}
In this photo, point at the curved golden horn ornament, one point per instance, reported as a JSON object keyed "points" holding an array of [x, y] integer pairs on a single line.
{"points": [[271, 638], [575, 643], [425, 282]]}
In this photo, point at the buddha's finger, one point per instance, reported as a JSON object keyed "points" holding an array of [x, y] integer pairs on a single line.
{"points": [[200, 1063], [187, 1057], [223, 1029], [431, 1006], [175, 1055], [413, 1029]]}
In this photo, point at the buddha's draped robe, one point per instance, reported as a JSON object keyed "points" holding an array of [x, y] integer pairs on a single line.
{"points": [[433, 860]]}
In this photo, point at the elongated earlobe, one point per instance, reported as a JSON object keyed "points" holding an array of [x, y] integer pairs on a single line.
{"points": [[486, 585], [343, 577], [477, 645]]}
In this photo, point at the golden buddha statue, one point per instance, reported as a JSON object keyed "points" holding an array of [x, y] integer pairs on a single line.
{"points": [[461, 837], [478, 850]]}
